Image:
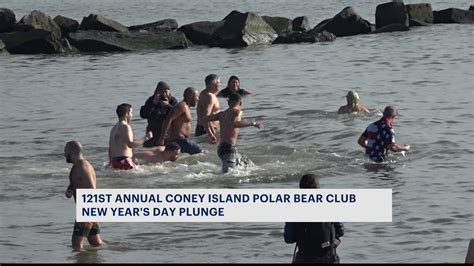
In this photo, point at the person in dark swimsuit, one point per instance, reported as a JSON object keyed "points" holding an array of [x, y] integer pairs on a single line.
{"points": [[233, 86]]}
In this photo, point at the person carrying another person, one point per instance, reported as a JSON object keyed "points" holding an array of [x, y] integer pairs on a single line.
{"points": [[178, 123], [207, 105], [159, 154], [316, 242], [121, 139], [233, 86], [379, 137], [353, 104], [82, 175], [155, 110], [230, 122]]}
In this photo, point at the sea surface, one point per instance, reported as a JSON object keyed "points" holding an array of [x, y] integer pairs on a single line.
{"points": [[427, 73]]}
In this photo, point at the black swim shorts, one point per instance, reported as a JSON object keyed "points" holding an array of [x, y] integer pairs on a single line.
{"points": [[86, 229]]}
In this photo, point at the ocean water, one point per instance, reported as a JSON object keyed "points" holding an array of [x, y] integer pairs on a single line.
{"points": [[427, 73]]}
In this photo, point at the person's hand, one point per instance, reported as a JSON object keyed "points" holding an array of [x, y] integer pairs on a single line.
{"points": [[156, 98], [407, 147], [212, 139], [161, 142], [69, 193], [259, 125], [149, 135]]}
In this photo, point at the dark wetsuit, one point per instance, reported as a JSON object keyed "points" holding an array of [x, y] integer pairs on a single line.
{"points": [[227, 92], [155, 115]]}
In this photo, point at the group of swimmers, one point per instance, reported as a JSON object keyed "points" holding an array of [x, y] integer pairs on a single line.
{"points": [[169, 128]]}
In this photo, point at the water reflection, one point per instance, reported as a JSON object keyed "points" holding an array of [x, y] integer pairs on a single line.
{"points": [[87, 256]]}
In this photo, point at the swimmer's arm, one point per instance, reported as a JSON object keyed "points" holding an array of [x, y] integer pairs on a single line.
{"points": [[246, 92], [209, 129], [175, 113], [398, 147], [341, 110], [245, 123], [362, 141], [131, 143]]}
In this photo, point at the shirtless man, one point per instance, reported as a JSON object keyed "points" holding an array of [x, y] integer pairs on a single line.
{"points": [[121, 139], [230, 124], [208, 105], [82, 175], [178, 123], [158, 154]]}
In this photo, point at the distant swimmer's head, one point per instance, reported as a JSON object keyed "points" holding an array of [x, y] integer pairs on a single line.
{"points": [[390, 112], [234, 99], [212, 82], [353, 99], [309, 181], [191, 96], [234, 83], [72, 149], [174, 150], [124, 110]]}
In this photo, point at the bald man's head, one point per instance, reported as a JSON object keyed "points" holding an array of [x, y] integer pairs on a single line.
{"points": [[191, 96], [72, 149]]}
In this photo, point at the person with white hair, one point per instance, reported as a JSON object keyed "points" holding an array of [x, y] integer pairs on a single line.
{"points": [[353, 104]]}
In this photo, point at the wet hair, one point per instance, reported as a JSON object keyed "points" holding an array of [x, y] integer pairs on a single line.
{"points": [[74, 147], [172, 146], [123, 109], [389, 111], [234, 97], [309, 181], [353, 99], [161, 86], [211, 79], [232, 78]]}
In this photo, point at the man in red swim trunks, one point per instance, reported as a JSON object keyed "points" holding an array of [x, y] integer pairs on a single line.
{"points": [[121, 139]]}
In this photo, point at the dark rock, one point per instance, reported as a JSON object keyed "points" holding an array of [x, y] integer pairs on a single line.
{"points": [[321, 24], [420, 12], [201, 32], [301, 24], [471, 8], [67, 25], [391, 28], [34, 42], [7, 20], [158, 26], [100, 23], [391, 13], [311, 36], [38, 20], [105, 41], [346, 23], [416, 23], [453, 15], [282, 26], [243, 29]]}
